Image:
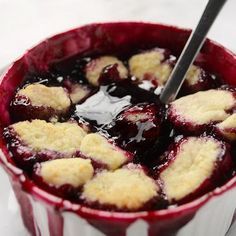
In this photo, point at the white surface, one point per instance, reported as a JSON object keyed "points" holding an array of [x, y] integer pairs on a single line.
{"points": [[26, 22], [10, 220], [23, 23]]}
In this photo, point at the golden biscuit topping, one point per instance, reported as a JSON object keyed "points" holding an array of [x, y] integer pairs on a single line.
{"points": [[95, 67], [193, 75], [150, 64], [73, 171], [228, 127], [204, 107], [193, 164], [41, 95], [99, 149], [41, 135], [123, 188]]}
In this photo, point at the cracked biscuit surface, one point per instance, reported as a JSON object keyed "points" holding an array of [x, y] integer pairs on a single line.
{"points": [[123, 188], [95, 67], [190, 164], [200, 109], [99, 149], [40, 135], [73, 171]]}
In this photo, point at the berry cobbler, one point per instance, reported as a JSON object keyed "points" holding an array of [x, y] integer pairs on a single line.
{"points": [[92, 130]]}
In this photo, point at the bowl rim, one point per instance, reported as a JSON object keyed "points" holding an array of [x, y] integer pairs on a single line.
{"points": [[67, 206]]}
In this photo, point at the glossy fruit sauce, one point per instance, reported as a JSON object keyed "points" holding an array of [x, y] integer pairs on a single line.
{"points": [[107, 106]]}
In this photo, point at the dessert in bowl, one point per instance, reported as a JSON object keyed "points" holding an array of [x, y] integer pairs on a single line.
{"points": [[89, 147]]}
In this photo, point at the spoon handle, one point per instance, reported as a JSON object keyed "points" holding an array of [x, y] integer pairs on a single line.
{"points": [[190, 50]]}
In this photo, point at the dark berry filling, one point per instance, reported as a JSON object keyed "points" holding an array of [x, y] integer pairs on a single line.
{"points": [[118, 100]]}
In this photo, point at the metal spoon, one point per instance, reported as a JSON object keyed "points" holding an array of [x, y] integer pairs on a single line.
{"points": [[191, 50]]}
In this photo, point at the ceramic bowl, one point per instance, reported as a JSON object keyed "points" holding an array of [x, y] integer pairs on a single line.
{"points": [[46, 215]]}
